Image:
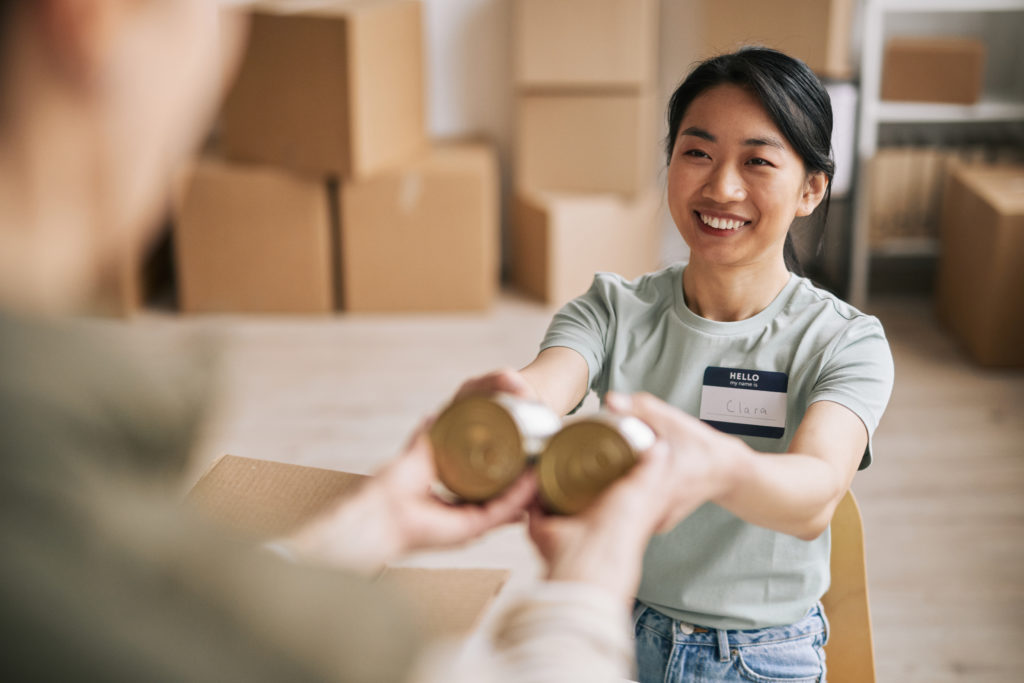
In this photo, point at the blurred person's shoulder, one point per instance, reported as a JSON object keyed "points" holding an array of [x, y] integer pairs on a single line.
{"points": [[117, 395]]}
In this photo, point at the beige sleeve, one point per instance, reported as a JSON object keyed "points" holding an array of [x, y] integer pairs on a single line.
{"points": [[561, 632]]}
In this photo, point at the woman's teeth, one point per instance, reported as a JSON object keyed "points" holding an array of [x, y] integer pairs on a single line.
{"points": [[720, 223]]}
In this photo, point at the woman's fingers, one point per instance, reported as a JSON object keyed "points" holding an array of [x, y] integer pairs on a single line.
{"points": [[506, 381]]}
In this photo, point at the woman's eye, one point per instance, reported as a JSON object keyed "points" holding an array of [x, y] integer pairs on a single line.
{"points": [[695, 153], [758, 161]]}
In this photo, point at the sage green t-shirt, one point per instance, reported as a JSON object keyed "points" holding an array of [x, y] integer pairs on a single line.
{"points": [[714, 569]]}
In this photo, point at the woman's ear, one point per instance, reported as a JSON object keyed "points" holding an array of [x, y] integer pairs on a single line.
{"points": [[78, 34], [813, 192]]}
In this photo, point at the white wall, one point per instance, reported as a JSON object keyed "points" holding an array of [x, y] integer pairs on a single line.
{"points": [[469, 75], [469, 68]]}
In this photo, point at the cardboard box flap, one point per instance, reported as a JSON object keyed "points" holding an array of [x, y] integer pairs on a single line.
{"points": [[267, 499], [1001, 186]]}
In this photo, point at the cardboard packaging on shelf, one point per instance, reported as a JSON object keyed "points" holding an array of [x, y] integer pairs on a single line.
{"points": [[586, 44], [560, 241], [261, 499], [815, 31], [425, 236], [593, 142], [253, 239], [981, 266], [906, 190], [329, 87], [933, 70]]}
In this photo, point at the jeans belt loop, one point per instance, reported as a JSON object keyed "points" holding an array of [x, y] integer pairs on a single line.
{"points": [[723, 644]]}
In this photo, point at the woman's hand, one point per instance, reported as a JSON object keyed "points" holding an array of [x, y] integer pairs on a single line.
{"points": [[557, 377], [506, 380], [604, 544], [703, 459], [794, 492]]}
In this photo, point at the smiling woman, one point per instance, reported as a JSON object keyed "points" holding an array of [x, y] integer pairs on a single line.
{"points": [[766, 388]]}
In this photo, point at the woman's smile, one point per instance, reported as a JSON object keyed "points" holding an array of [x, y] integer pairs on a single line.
{"points": [[717, 223]]}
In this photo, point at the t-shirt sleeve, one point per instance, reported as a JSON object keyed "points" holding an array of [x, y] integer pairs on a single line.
{"points": [[858, 375], [583, 324]]}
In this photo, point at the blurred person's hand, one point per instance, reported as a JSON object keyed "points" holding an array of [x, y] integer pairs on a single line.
{"points": [[396, 512], [604, 544]]}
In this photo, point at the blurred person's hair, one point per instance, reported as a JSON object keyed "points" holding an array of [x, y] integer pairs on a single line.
{"points": [[791, 94], [6, 9]]}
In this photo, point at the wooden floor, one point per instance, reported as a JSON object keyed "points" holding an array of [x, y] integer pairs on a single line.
{"points": [[943, 502]]}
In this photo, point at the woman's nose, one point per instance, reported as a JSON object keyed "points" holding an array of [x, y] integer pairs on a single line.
{"points": [[724, 185]]}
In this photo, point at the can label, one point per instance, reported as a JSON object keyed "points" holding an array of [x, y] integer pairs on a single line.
{"points": [[535, 421], [483, 443], [586, 456]]}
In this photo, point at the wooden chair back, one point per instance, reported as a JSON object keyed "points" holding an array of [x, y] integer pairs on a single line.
{"points": [[850, 651]]}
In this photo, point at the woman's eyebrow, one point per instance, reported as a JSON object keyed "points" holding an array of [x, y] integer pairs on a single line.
{"points": [[698, 133], [768, 141]]}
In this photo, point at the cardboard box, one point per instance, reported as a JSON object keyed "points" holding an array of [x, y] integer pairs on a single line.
{"points": [[981, 266], [559, 241], [815, 31], [933, 70], [587, 142], [424, 237], [253, 239], [263, 499], [586, 44], [329, 87], [906, 192]]}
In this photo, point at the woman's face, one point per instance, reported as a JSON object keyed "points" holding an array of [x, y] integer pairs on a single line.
{"points": [[734, 182]]}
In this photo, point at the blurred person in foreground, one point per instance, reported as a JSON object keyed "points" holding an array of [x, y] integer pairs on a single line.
{"points": [[104, 575]]}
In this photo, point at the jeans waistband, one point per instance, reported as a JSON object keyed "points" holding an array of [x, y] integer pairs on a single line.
{"points": [[647, 617]]}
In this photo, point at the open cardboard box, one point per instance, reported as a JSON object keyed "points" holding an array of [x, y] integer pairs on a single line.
{"points": [[265, 499]]}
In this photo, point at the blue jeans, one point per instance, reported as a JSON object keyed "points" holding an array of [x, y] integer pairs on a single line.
{"points": [[666, 654]]}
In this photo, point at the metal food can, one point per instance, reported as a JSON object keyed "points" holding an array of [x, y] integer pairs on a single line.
{"points": [[586, 456], [483, 443]]}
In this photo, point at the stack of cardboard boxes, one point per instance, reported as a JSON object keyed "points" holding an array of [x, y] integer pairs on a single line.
{"points": [[586, 143], [817, 32], [324, 191]]}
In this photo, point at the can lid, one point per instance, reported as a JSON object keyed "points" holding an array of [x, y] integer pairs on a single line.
{"points": [[580, 462], [477, 448]]}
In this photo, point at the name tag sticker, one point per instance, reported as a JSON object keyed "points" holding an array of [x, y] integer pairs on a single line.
{"points": [[745, 402]]}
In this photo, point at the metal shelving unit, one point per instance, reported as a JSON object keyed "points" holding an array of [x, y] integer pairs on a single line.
{"points": [[874, 113]]}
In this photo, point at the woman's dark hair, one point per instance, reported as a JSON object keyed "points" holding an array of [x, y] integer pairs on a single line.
{"points": [[792, 95]]}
